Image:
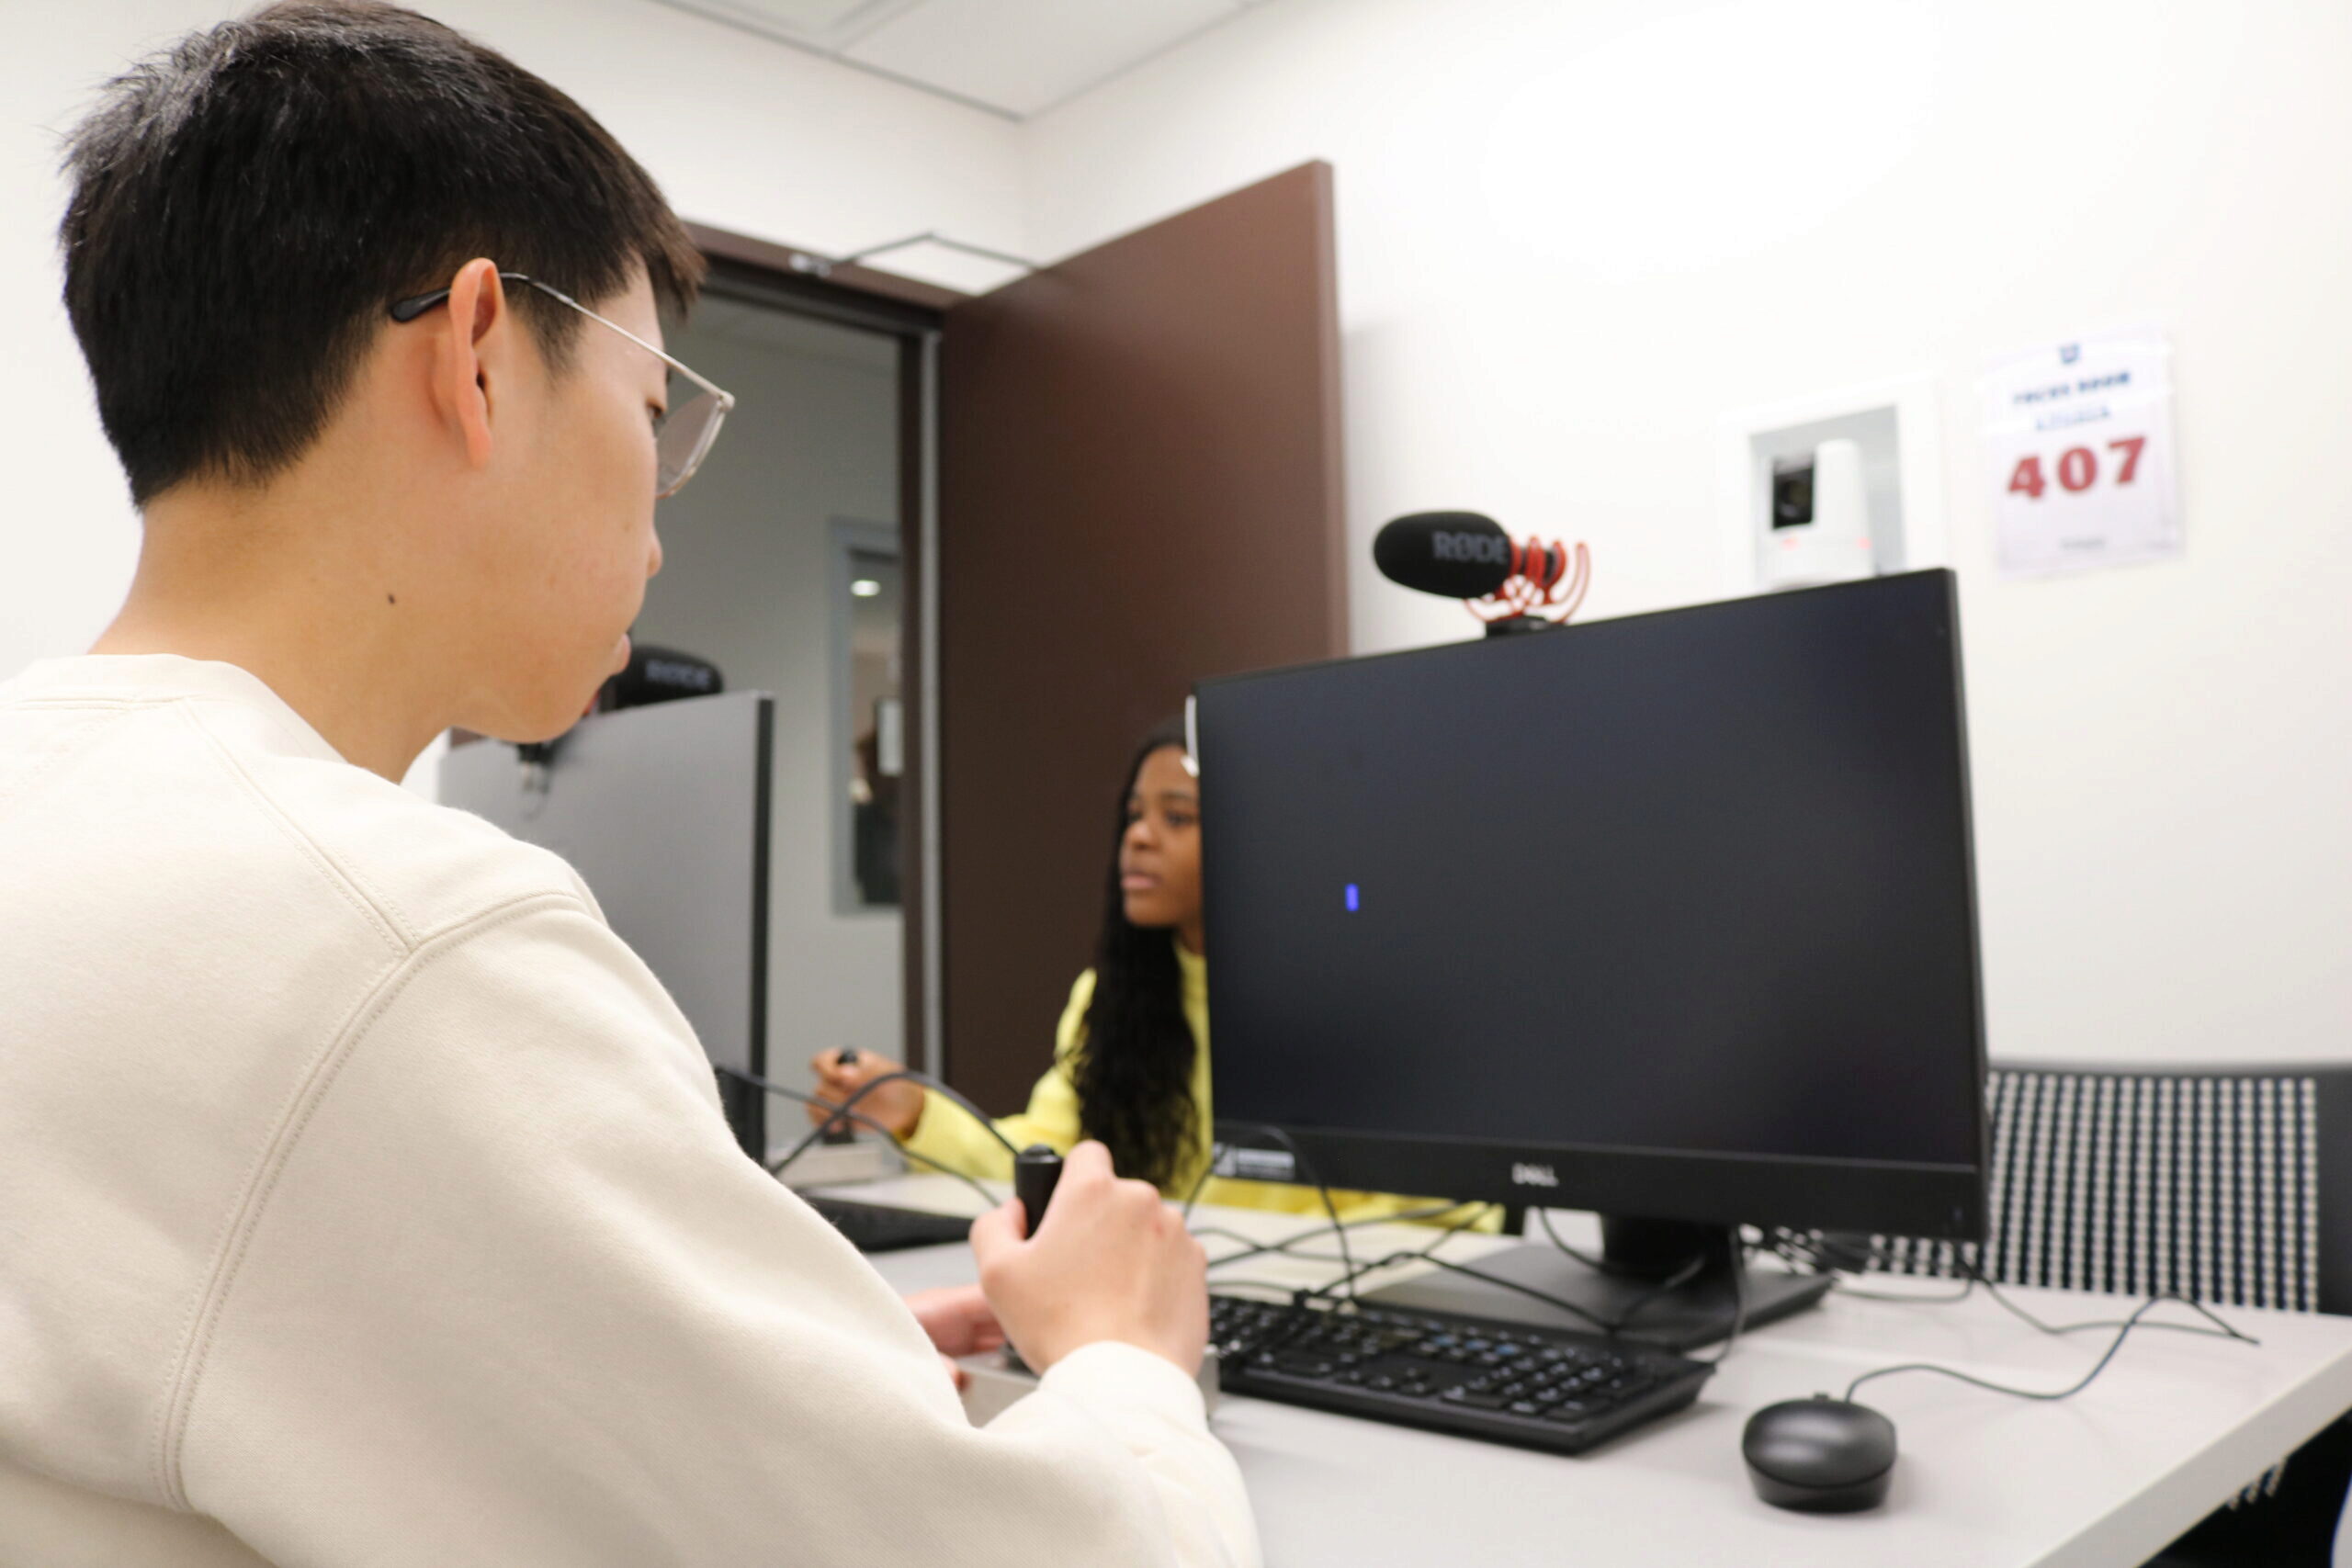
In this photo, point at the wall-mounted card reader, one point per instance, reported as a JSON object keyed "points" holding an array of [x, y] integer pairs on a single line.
{"points": [[1817, 524]]}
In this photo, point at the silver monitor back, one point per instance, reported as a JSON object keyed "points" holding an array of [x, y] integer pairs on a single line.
{"points": [[664, 811]]}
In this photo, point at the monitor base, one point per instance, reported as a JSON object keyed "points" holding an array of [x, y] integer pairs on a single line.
{"points": [[1689, 1315]]}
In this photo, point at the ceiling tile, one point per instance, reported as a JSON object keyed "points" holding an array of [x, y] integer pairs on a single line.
{"points": [[822, 24], [1025, 56]]}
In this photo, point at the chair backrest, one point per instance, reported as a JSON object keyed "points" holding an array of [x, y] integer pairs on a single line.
{"points": [[2231, 1186]]}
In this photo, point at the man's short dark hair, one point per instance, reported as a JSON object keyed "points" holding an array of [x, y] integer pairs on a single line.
{"points": [[248, 203]]}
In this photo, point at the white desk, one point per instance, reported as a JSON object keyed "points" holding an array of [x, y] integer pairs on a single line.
{"points": [[2175, 1426]]}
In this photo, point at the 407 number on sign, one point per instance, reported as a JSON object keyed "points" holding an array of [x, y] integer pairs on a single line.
{"points": [[2079, 467]]}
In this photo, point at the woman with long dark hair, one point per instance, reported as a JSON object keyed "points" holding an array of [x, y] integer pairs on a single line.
{"points": [[1131, 1060]]}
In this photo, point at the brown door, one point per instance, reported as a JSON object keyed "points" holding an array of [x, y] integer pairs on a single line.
{"points": [[1140, 486]]}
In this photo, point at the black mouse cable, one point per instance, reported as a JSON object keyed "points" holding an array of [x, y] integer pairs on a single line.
{"points": [[2122, 1332], [2221, 1329], [1974, 1278]]}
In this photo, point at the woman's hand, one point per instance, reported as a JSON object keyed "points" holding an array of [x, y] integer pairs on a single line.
{"points": [[898, 1105]]}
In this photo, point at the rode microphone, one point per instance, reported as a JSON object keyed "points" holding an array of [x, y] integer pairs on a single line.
{"points": [[1454, 554], [1466, 556]]}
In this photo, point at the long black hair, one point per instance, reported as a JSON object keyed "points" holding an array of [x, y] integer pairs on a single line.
{"points": [[1133, 1074]]}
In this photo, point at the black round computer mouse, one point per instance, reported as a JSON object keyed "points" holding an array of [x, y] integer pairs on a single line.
{"points": [[1819, 1454]]}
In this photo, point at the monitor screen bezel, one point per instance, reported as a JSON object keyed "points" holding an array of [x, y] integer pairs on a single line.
{"points": [[1935, 1200]]}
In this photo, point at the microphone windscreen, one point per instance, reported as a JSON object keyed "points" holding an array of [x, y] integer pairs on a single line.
{"points": [[1458, 555]]}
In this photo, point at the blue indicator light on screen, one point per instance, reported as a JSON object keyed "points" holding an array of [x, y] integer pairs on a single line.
{"points": [[1354, 899]]}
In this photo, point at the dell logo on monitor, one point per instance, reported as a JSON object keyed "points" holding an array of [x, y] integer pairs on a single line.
{"points": [[1533, 1176]]}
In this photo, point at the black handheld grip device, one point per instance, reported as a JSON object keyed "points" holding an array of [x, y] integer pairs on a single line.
{"points": [[843, 1131], [1035, 1172]]}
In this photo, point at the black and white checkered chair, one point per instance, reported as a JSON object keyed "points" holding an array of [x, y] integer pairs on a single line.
{"points": [[2212, 1182], [2232, 1186]]}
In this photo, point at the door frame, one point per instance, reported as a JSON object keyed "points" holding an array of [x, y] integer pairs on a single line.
{"points": [[800, 282]]}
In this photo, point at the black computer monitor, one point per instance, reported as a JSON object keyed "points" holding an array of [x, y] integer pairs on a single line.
{"points": [[664, 810], [1670, 916]]}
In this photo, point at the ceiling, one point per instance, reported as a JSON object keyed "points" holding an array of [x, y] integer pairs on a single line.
{"points": [[1016, 58]]}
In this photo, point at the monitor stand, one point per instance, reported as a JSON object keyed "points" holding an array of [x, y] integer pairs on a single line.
{"points": [[1639, 1257]]}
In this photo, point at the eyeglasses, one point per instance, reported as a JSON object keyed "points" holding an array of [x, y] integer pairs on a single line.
{"points": [[682, 437]]}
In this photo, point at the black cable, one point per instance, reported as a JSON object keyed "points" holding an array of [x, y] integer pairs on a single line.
{"points": [[2122, 1332], [1973, 1278], [1598, 1265], [1795, 1246], [1602, 1324], [1967, 1289], [840, 1111], [1254, 1247], [1738, 1302], [1301, 1315], [1329, 1207], [1612, 1327], [1479, 1211], [1660, 1290], [2220, 1330], [843, 1113], [1640, 1303], [1200, 1183], [1826, 1256]]}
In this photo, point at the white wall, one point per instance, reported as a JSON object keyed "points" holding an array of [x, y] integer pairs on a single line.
{"points": [[744, 582], [1574, 236], [742, 133]]}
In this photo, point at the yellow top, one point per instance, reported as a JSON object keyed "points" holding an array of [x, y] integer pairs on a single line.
{"points": [[945, 1134]]}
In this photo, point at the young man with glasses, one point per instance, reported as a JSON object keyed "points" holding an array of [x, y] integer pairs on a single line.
{"points": [[366, 1199]]}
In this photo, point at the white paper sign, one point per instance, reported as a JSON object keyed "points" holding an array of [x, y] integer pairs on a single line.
{"points": [[2078, 445]]}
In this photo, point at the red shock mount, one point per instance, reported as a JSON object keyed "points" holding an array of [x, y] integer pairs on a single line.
{"points": [[1547, 581]]}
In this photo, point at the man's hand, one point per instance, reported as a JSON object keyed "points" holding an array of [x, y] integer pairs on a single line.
{"points": [[958, 1319], [1110, 1261], [960, 1322], [897, 1106]]}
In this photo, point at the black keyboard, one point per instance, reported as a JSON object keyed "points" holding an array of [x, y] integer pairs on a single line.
{"points": [[878, 1227], [1542, 1388]]}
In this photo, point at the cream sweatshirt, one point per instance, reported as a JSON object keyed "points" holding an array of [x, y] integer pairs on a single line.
{"points": [[365, 1200]]}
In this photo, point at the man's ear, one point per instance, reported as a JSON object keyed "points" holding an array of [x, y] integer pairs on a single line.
{"points": [[474, 334]]}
